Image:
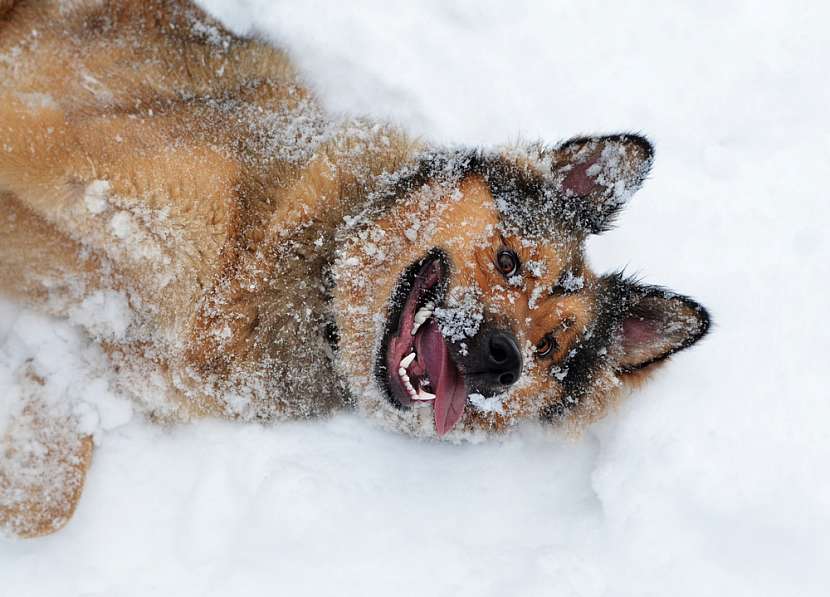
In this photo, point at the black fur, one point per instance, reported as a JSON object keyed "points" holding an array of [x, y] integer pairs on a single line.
{"points": [[618, 298], [532, 203]]}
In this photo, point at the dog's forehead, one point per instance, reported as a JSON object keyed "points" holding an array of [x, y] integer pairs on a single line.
{"points": [[524, 196], [520, 188], [544, 254]]}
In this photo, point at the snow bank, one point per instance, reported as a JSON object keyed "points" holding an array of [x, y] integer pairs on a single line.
{"points": [[712, 480]]}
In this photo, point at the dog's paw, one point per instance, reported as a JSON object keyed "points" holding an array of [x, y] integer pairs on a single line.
{"points": [[44, 462]]}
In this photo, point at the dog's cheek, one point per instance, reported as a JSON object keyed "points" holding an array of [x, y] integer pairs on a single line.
{"points": [[353, 306]]}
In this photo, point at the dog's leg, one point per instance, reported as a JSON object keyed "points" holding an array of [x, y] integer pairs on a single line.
{"points": [[39, 265], [44, 460]]}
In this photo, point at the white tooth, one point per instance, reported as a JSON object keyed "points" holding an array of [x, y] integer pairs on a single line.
{"points": [[401, 371], [404, 378], [407, 360], [424, 395], [422, 315]]}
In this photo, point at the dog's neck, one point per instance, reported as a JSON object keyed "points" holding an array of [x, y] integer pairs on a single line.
{"points": [[285, 249]]}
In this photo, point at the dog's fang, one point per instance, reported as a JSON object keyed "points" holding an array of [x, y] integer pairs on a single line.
{"points": [[407, 360], [424, 395], [422, 315]]}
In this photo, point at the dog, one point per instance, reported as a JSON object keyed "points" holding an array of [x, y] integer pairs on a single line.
{"points": [[238, 253]]}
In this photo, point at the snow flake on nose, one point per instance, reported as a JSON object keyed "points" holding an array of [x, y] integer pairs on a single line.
{"points": [[462, 314]]}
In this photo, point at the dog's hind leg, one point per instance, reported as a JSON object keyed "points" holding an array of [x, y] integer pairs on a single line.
{"points": [[44, 459], [39, 265]]}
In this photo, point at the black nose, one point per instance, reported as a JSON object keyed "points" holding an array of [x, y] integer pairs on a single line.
{"points": [[502, 358]]}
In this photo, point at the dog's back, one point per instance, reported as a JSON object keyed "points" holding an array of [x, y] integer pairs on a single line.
{"points": [[102, 102], [144, 154]]}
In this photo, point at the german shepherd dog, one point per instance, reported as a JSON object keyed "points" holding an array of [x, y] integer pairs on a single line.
{"points": [[237, 253]]}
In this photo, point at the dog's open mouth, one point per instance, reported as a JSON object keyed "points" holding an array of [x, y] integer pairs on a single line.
{"points": [[415, 362]]}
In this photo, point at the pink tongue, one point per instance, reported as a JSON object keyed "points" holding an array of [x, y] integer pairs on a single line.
{"points": [[446, 380]]}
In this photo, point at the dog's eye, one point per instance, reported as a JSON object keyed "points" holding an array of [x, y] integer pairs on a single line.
{"points": [[507, 262], [546, 346]]}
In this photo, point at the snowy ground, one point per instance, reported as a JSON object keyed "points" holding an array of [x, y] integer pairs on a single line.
{"points": [[713, 480]]}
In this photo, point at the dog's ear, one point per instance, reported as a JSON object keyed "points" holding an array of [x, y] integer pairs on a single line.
{"points": [[652, 323], [594, 177]]}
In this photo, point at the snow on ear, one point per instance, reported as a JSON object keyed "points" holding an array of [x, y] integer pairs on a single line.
{"points": [[595, 177], [656, 323]]}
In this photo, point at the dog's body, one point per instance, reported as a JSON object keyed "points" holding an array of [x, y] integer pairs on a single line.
{"points": [[178, 191]]}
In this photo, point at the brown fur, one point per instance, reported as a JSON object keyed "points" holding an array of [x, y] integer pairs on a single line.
{"points": [[148, 154], [38, 504], [474, 266]]}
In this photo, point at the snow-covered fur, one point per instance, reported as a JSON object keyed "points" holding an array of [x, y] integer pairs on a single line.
{"points": [[177, 192]]}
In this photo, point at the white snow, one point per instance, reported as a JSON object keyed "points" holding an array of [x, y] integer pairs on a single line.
{"points": [[106, 314], [95, 196], [711, 480]]}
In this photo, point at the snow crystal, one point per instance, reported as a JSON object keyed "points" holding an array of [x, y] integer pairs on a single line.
{"points": [[210, 32], [138, 242], [106, 314], [37, 101], [538, 292], [572, 283], [122, 225], [494, 404], [536, 268], [95, 196], [560, 373], [516, 281], [461, 315]]}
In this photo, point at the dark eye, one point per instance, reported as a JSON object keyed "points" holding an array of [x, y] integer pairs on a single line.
{"points": [[507, 262], [546, 346]]}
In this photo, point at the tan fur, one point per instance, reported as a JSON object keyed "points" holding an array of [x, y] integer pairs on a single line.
{"points": [[75, 110], [112, 120], [44, 464]]}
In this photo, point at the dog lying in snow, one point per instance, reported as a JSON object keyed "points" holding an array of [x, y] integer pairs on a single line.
{"points": [[238, 254]]}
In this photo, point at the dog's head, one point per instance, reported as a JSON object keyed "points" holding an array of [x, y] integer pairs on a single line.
{"points": [[463, 299]]}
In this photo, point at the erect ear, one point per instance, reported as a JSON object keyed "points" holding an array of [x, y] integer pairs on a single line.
{"points": [[595, 176], [653, 323]]}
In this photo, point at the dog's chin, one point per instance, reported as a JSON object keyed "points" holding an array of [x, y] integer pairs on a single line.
{"points": [[414, 364]]}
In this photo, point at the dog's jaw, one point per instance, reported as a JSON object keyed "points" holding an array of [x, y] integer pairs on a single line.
{"points": [[414, 363]]}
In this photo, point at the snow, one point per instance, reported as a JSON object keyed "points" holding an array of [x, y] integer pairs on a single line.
{"points": [[95, 196], [105, 314], [711, 480]]}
